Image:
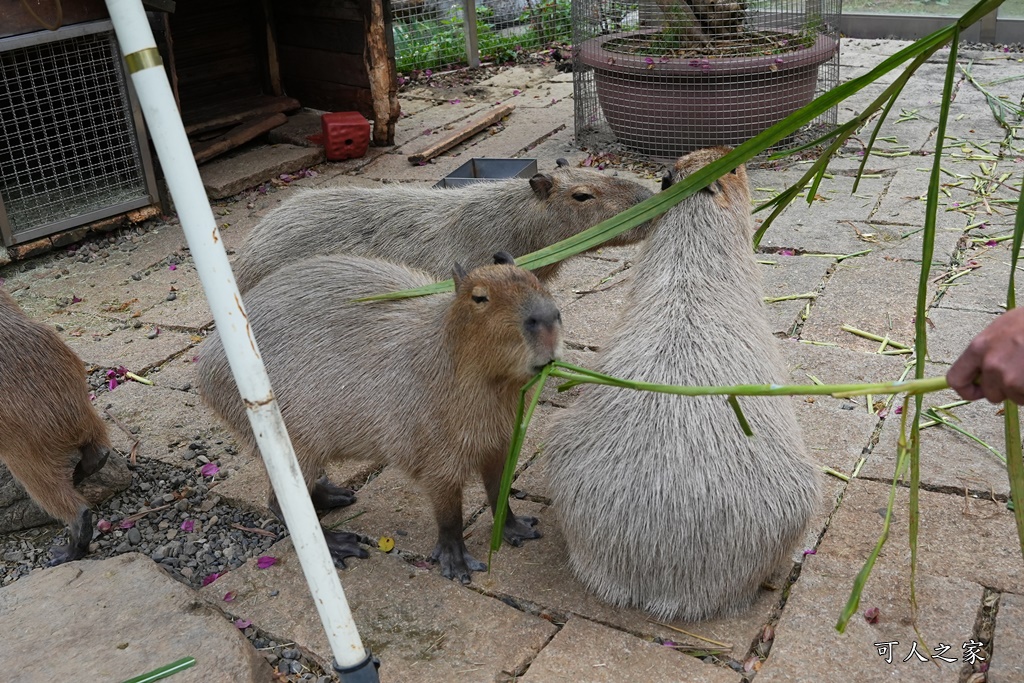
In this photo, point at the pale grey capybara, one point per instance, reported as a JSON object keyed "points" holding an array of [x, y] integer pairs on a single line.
{"points": [[429, 384], [47, 423], [431, 229], [665, 504]]}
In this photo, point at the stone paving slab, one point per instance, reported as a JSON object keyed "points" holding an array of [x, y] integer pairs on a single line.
{"points": [[785, 276], [419, 131], [424, 627], [949, 460], [538, 574], [103, 343], [951, 331], [394, 505], [954, 532], [1007, 664], [984, 288], [871, 294], [585, 651], [807, 646], [164, 422], [221, 178], [47, 619]]}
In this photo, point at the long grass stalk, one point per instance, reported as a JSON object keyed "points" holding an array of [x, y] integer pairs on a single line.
{"points": [[1011, 417], [524, 413], [853, 602]]}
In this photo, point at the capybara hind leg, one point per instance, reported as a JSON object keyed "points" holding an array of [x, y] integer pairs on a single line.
{"points": [[94, 457], [79, 536], [341, 544], [327, 496], [517, 528], [450, 551]]}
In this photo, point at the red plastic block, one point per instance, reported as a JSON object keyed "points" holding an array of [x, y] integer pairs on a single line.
{"points": [[346, 135]]}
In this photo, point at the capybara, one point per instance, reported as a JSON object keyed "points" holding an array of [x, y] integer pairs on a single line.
{"points": [[429, 385], [665, 504], [46, 420], [431, 229]]}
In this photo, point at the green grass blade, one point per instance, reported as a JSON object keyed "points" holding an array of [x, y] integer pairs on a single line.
{"points": [[734, 403], [164, 671], [577, 375], [524, 413], [853, 602], [921, 319], [1011, 416]]}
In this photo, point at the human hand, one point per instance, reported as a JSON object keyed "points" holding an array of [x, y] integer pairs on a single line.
{"points": [[992, 366]]}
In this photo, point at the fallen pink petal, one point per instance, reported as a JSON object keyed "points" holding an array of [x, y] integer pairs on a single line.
{"points": [[210, 578], [173, 266], [455, 101], [229, 596], [75, 299], [872, 615], [188, 525], [243, 623], [786, 252], [265, 561], [126, 524], [103, 526], [209, 470]]}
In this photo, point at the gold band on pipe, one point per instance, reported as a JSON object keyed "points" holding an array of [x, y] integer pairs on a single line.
{"points": [[143, 59]]}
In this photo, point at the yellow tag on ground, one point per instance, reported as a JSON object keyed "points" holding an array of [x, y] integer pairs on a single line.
{"points": [[386, 544]]}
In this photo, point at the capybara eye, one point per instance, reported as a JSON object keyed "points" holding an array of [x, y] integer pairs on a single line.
{"points": [[480, 298], [582, 196]]}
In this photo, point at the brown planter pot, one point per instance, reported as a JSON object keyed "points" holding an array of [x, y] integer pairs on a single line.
{"points": [[682, 104]]}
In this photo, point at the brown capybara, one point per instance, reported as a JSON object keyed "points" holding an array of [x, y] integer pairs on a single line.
{"points": [[46, 420], [664, 502], [432, 228], [427, 384]]}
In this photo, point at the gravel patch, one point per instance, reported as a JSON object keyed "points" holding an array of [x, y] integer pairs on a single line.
{"points": [[174, 516]]}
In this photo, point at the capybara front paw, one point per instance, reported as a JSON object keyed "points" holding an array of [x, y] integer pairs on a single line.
{"points": [[59, 554], [456, 563], [327, 496], [343, 544], [519, 529]]}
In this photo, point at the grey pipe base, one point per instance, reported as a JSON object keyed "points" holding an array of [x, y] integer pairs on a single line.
{"points": [[363, 672]]}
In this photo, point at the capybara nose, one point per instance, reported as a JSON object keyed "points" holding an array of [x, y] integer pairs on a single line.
{"points": [[543, 325]]}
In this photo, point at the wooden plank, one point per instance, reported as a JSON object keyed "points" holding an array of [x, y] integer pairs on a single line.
{"points": [[347, 10], [464, 133], [300, 63], [325, 34], [273, 63], [231, 113], [237, 136], [332, 96], [17, 19]]}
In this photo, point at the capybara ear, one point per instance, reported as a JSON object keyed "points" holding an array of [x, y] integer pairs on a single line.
{"points": [[503, 258], [561, 162], [666, 180], [542, 184], [458, 274], [714, 188]]}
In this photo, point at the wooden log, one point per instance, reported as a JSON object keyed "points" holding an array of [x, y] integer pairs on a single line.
{"points": [[381, 70], [239, 135], [464, 133]]}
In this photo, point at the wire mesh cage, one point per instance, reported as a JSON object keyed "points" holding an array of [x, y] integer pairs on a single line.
{"points": [[664, 77], [433, 34], [70, 148]]}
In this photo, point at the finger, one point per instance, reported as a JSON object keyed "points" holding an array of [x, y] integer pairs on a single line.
{"points": [[992, 388], [962, 375]]}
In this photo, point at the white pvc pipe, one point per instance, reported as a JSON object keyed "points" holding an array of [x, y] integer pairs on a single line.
{"points": [[172, 146]]}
